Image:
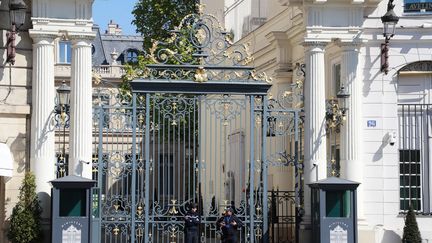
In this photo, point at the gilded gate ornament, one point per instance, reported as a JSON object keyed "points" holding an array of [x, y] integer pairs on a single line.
{"points": [[199, 49]]}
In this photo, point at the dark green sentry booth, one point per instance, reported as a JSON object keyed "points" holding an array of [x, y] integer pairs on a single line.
{"points": [[334, 214], [71, 209]]}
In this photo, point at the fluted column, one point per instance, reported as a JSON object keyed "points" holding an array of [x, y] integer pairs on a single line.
{"points": [[315, 164], [80, 156], [42, 154], [351, 142]]}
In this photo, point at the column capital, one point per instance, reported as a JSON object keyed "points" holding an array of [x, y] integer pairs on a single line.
{"points": [[314, 46], [42, 37], [81, 41], [351, 45], [86, 37]]}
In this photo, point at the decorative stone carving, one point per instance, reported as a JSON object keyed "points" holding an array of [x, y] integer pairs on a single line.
{"points": [[114, 56]]}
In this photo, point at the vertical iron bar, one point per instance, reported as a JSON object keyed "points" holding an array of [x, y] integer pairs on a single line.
{"points": [[198, 158], [100, 170], [166, 163], [252, 171], [155, 157], [147, 167], [428, 159], [410, 126], [297, 178], [184, 164], [404, 140], [264, 116], [133, 189]]}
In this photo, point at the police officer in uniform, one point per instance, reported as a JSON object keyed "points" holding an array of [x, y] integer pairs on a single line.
{"points": [[229, 224], [192, 223]]}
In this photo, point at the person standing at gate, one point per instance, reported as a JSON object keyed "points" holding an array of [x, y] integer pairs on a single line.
{"points": [[192, 223], [229, 224]]}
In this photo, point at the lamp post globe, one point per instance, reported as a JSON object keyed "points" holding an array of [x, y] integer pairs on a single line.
{"points": [[17, 12], [389, 20], [63, 93]]}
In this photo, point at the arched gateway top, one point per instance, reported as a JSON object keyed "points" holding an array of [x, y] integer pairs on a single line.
{"points": [[200, 58]]}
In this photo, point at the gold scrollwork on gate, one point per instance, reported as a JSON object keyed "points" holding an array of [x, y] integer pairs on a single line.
{"points": [[139, 209], [116, 230], [139, 232], [173, 210]]}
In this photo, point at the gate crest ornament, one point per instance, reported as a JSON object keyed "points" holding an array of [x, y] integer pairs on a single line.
{"points": [[199, 49]]}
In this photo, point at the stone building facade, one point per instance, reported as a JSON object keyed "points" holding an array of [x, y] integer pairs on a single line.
{"points": [[385, 135], [384, 142]]}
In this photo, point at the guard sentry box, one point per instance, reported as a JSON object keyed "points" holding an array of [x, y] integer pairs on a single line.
{"points": [[71, 209], [334, 214]]}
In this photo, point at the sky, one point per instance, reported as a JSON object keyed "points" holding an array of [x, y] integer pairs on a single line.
{"points": [[118, 10]]}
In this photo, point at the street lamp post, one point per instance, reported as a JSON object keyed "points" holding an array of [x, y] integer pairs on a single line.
{"points": [[63, 93], [389, 20], [17, 12], [336, 109], [62, 110], [336, 112]]}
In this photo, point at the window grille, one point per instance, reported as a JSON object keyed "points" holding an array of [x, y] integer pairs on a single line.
{"points": [[415, 139]]}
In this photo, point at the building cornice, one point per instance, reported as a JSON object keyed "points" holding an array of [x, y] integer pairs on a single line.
{"points": [[322, 2], [45, 21]]}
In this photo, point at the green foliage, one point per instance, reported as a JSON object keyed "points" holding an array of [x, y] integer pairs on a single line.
{"points": [[25, 226], [155, 18], [411, 233]]}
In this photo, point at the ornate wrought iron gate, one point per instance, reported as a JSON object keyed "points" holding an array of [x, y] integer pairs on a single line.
{"points": [[159, 153], [188, 135]]}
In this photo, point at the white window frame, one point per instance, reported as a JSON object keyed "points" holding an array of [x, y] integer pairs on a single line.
{"points": [[61, 49]]}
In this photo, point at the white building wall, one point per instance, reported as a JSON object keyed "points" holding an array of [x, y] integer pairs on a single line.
{"points": [[335, 21], [411, 43], [15, 84], [243, 16]]}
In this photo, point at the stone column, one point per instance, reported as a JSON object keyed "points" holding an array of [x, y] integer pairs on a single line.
{"points": [[80, 144], [315, 164], [351, 141], [42, 154]]}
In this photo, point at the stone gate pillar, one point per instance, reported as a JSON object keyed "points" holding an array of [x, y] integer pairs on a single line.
{"points": [[80, 144], [315, 164], [351, 142], [42, 154]]}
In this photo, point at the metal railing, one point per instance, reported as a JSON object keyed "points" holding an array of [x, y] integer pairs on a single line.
{"points": [[283, 216]]}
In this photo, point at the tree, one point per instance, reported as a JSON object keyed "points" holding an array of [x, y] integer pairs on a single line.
{"points": [[25, 220], [155, 18], [411, 233]]}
